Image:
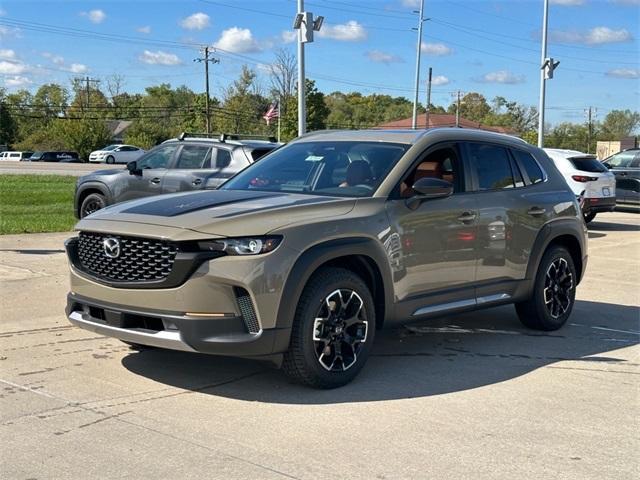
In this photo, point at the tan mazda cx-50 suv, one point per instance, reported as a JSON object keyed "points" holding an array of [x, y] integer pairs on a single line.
{"points": [[302, 256]]}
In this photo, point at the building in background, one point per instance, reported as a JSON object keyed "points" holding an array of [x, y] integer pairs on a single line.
{"points": [[442, 120]]}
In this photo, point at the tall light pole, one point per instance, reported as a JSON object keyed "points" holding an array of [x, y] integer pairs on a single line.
{"points": [[543, 79], [414, 122], [306, 25]]}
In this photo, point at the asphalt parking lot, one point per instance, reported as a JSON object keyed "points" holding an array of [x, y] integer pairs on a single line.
{"points": [[468, 396]]}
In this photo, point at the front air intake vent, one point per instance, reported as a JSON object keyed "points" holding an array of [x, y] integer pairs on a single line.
{"points": [[246, 310]]}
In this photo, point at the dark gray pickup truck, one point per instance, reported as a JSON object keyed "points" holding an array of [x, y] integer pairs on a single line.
{"points": [[177, 165]]}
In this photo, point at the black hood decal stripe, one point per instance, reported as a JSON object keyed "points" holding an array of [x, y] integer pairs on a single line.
{"points": [[173, 206]]}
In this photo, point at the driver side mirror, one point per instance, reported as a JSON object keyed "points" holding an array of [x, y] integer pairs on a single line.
{"points": [[133, 168], [429, 188]]}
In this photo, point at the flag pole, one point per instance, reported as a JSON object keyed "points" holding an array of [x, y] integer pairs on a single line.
{"points": [[279, 114]]}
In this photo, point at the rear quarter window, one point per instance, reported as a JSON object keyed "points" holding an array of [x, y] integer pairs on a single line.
{"points": [[530, 165]]}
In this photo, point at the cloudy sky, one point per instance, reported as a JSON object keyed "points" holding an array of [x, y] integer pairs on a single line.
{"points": [[492, 47]]}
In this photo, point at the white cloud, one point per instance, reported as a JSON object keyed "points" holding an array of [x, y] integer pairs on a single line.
{"points": [[146, 29], [3, 12], [567, 3], [8, 32], [288, 36], [77, 68], [351, 31], [56, 59], [95, 16], [629, 73], [595, 36], [17, 81], [626, 2], [12, 68], [159, 58], [502, 76], [411, 3], [383, 57], [197, 21], [237, 40], [7, 53], [440, 80], [436, 49]]}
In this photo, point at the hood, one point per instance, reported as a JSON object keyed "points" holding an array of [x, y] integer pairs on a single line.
{"points": [[102, 173], [217, 213]]}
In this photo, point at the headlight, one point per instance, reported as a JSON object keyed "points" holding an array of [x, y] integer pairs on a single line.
{"points": [[242, 246]]}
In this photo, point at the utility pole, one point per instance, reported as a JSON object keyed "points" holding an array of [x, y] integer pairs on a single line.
{"points": [[458, 97], [545, 21], [87, 89], [206, 60], [306, 25], [414, 122], [590, 113], [428, 109]]}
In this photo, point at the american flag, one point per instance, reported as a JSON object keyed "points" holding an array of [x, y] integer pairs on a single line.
{"points": [[273, 112]]}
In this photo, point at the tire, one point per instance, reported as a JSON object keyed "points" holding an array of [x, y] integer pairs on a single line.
{"points": [[92, 203], [110, 159], [550, 312], [589, 216], [330, 290]]}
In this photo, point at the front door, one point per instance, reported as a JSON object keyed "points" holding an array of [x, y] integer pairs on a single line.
{"points": [[435, 239], [154, 167]]}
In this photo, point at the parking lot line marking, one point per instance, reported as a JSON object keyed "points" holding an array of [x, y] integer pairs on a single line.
{"points": [[630, 332]]}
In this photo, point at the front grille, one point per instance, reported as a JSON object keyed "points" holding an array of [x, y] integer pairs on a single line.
{"points": [[136, 259]]}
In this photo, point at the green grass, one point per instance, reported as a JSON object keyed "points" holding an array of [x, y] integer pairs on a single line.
{"points": [[36, 203]]}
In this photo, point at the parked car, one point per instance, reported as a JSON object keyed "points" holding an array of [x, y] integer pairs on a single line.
{"points": [[177, 165], [301, 257], [588, 178], [53, 156], [116, 154], [15, 156], [625, 166]]}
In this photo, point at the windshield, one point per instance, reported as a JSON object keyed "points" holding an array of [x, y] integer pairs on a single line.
{"points": [[37, 154], [349, 169]]}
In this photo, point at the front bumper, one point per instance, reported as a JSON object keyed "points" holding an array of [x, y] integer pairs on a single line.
{"points": [[218, 336], [598, 205]]}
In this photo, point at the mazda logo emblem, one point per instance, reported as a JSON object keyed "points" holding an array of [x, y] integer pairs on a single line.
{"points": [[111, 247]]}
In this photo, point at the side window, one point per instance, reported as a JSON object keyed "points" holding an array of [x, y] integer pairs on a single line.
{"points": [[193, 157], [441, 163], [530, 165], [223, 158], [158, 158], [622, 159], [492, 165]]}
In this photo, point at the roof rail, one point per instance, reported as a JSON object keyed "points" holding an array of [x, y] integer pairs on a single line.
{"points": [[240, 136]]}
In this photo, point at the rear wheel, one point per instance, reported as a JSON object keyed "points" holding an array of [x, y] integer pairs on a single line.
{"points": [[332, 331], [589, 216], [92, 203], [554, 292]]}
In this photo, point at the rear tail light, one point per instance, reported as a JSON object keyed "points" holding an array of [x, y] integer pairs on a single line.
{"points": [[584, 178]]}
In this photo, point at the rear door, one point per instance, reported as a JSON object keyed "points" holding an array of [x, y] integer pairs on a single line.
{"points": [[226, 164], [189, 170], [154, 167], [512, 209]]}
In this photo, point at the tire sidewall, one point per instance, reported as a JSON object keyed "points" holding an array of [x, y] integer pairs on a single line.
{"points": [[547, 322], [306, 315], [90, 197], [110, 159]]}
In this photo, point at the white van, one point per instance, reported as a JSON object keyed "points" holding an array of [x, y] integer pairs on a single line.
{"points": [[15, 156]]}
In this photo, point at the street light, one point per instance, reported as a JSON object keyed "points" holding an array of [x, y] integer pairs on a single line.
{"points": [[306, 25], [548, 65]]}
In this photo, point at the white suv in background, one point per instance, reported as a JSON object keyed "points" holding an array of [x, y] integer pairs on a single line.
{"points": [[116, 154], [588, 177]]}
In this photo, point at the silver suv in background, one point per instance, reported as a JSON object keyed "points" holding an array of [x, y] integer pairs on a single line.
{"points": [[177, 165]]}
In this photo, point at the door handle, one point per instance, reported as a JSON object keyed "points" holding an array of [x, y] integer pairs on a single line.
{"points": [[155, 180], [197, 181], [536, 211], [467, 217]]}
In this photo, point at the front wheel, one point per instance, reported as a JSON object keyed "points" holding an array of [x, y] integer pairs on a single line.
{"points": [[110, 159], [554, 292], [92, 203], [333, 330], [588, 216]]}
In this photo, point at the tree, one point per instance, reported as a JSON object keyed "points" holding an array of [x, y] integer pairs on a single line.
{"points": [[8, 126], [82, 136], [473, 106], [243, 106], [619, 124], [283, 74], [317, 112]]}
